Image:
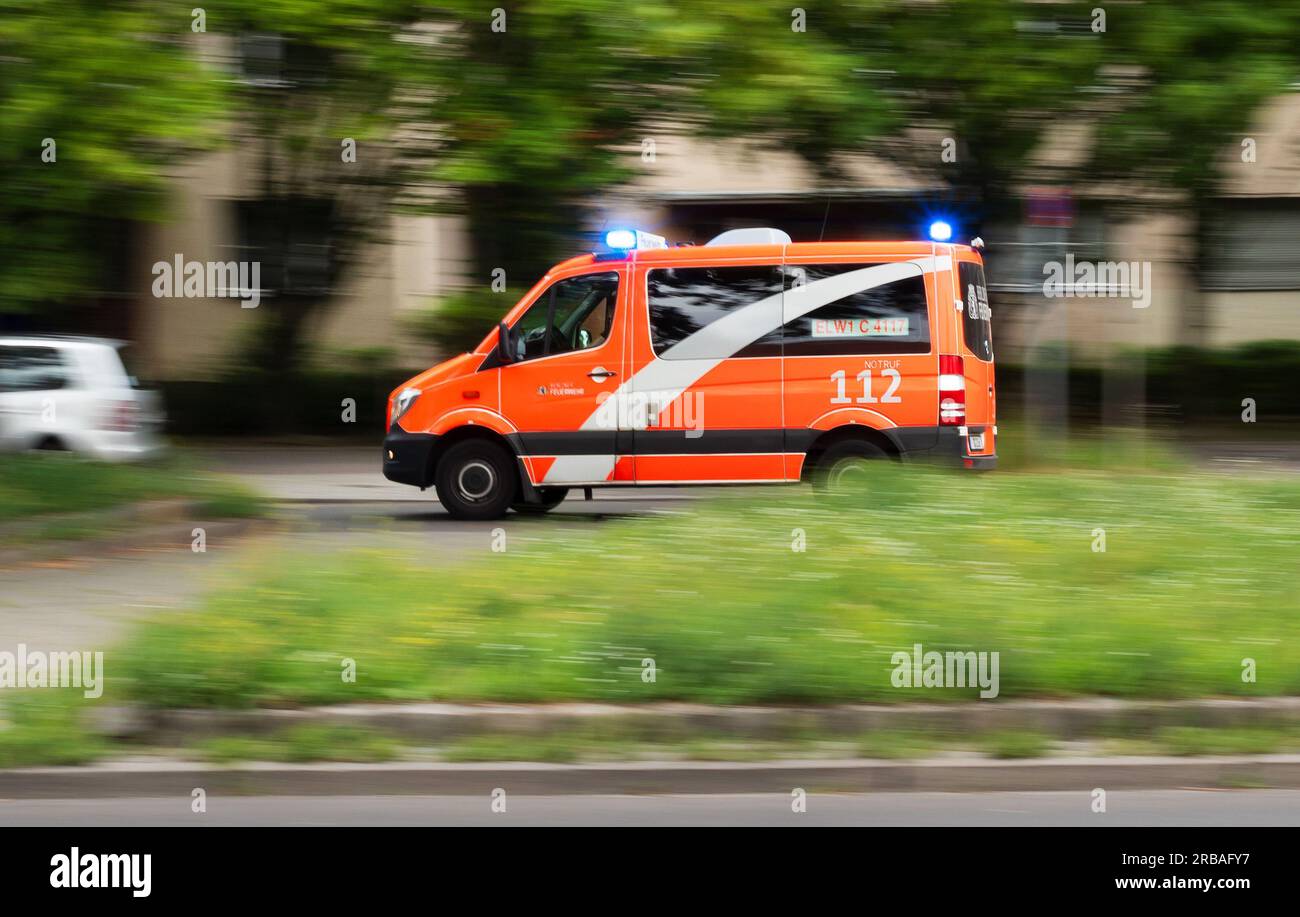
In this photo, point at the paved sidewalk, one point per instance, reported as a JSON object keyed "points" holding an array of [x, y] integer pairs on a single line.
{"points": [[165, 777], [1168, 808]]}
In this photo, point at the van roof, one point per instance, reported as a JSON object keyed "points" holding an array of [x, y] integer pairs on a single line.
{"points": [[61, 340], [689, 253]]}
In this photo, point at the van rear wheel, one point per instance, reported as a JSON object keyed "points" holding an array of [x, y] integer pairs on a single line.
{"points": [[847, 466], [551, 497], [476, 479]]}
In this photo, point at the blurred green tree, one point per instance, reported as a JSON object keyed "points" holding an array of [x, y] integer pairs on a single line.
{"points": [[1147, 102], [329, 107], [960, 93], [524, 116], [1183, 85], [521, 117], [96, 101], [544, 108]]}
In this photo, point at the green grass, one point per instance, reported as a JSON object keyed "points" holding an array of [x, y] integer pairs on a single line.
{"points": [[1092, 449], [50, 728], [899, 744], [573, 746], [587, 745], [304, 744], [555, 748], [1015, 744], [1244, 740], [1199, 573], [39, 484], [47, 728]]}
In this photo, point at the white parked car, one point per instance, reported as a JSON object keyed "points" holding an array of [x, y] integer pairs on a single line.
{"points": [[74, 394]]}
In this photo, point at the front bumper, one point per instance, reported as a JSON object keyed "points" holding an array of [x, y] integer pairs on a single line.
{"points": [[408, 457]]}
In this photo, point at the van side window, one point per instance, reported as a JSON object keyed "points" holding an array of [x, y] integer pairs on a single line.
{"points": [[32, 369], [870, 317], [573, 314], [686, 300], [976, 316]]}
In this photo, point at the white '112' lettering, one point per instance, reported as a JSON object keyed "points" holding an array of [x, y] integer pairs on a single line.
{"points": [[841, 396]]}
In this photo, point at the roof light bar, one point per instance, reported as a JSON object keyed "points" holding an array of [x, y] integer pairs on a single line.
{"points": [[625, 240], [940, 231]]}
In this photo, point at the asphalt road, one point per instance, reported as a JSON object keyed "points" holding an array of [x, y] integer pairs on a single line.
{"points": [[330, 474], [1170, 808], [328, 499], [353, 475]]}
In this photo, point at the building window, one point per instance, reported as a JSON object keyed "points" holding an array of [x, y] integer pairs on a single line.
{"points": [[1253, 245], [291, 240], [1018, 258]]}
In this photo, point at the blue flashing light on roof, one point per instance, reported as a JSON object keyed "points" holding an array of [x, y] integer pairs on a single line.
{"points": [[620, 238], [940, 231], [628, 239]]}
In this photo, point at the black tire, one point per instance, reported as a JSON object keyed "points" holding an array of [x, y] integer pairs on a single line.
{"points": [[50, 444], [476, 479], [841, 467], [551, 498]]}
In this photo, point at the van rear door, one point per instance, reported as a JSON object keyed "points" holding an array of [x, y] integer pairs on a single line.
{"points": [[858, 344], [977, 354]]}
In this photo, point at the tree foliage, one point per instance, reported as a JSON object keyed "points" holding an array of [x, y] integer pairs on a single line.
{"points": [[99, 102], [525, 116]]}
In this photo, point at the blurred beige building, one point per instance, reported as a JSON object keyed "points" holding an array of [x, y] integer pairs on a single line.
{"points": [[691, 189]]}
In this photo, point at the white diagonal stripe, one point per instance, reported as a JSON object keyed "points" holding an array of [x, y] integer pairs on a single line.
{"points": [[572, 469], [686, 362]]}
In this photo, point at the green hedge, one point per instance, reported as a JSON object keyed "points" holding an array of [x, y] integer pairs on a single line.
{"points": [[254, 404], [1190, 385]]}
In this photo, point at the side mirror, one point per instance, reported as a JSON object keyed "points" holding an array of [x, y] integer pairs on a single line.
{"points": [[505, 352]]}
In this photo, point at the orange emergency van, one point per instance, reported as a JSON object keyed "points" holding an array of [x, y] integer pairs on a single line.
{"points": [[751, 359]]}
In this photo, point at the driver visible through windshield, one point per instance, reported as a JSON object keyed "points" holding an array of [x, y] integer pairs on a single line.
{"points": [[574, 314]]}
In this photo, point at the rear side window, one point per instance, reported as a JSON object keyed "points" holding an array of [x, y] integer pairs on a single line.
{"points": [[32, 369], [868, 316], [685, 301], [976, 316]]}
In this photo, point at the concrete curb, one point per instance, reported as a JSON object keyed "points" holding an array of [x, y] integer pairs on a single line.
{"points": [[1064, 719], [175, 778]]}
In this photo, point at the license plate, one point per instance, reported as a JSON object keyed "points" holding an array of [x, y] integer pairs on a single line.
{"points": [[977, 442]]}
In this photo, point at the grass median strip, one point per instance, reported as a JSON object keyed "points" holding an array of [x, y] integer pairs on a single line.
{"points": [[40, 729], [781, 598], [304, 744], [56, 496], [588, 746]]}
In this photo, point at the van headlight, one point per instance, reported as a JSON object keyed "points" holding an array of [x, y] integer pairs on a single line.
{"points": [[402, 403]]}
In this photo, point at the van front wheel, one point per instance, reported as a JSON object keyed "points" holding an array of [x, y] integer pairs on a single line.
{"points": [[846, 466], [476, 479]]}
